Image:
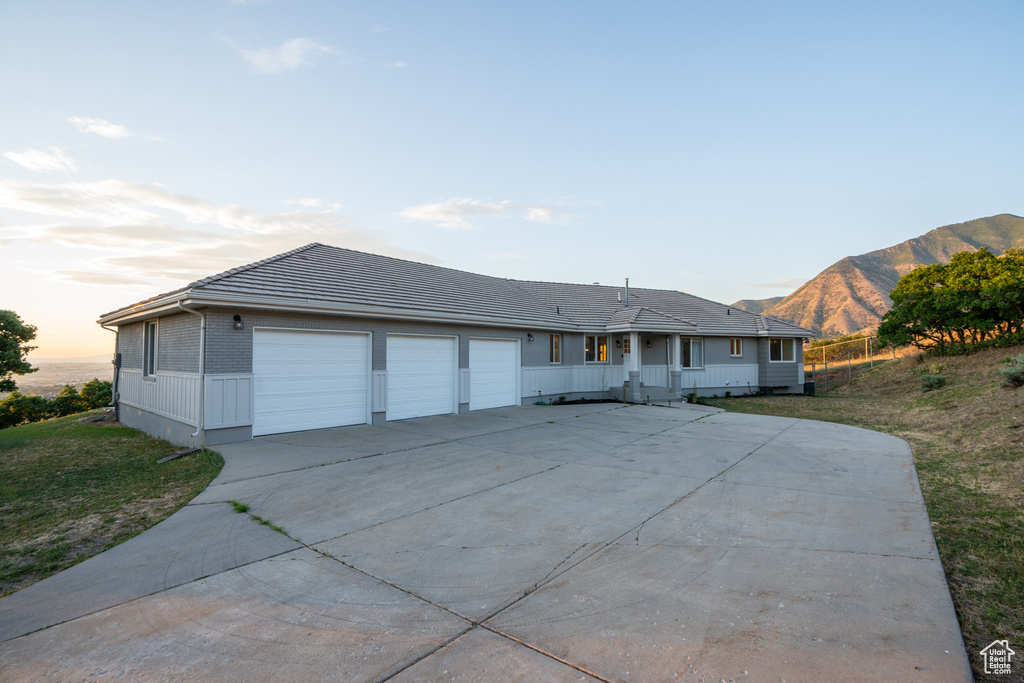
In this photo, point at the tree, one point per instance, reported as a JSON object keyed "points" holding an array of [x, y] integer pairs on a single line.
{"points": [[14, 338], [97, 393], [16, 409], [975, 297], [67, 402]]}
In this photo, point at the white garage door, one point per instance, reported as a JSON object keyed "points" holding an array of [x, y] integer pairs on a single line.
{"points": [[421, 376], [309, 380], [493, 373]]}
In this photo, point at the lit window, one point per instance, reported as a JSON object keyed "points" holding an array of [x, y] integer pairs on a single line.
{"points": [[781, 350], [596, 349], [555, 350], [693, 352], [149, 348], [735, 347], [625, 344]]}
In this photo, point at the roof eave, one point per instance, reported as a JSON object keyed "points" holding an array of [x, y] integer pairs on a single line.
{"points": [[196, 298]]}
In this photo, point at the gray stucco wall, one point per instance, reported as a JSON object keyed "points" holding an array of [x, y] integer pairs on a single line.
{"points": [[779, 374], [716, 351]]}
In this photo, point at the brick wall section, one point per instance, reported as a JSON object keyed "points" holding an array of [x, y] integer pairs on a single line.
{"points": [[230, 351], [178, 343], [129, 345]]}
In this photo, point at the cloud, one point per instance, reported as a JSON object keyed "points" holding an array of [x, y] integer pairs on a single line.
{"points": [[306, 202], [506, 255], [782, 283], [41, 160], [142, 234], [100, 127], [86, 277], [456, 212], [288, 56], [395, 65]]}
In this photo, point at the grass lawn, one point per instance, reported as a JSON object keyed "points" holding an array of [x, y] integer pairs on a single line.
{"points": [[968, 444], [69, 490]]}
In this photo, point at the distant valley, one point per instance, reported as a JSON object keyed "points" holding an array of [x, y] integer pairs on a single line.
{"points": [[852, 294]]}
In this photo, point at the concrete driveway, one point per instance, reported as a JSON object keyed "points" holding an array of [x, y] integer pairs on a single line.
{"points": [[571, 543]]}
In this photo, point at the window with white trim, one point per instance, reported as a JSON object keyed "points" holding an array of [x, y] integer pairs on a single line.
{"points": [[735, 347], [149, 345], [555, 349], [596, 349], [693, 352], [781, 350]]}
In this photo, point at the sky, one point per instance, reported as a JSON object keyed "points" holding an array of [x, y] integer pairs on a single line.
{"points": [[727, 149]]}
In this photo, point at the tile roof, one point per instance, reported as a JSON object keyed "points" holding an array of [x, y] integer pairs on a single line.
{"points": [[317, 273]]}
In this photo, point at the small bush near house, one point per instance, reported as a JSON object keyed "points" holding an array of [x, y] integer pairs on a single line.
{"points": [[97, 393], [1013, 375], [932, 382]]}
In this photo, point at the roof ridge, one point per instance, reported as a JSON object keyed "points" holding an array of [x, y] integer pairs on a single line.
{"points": [[250, 266], [668, 315]]}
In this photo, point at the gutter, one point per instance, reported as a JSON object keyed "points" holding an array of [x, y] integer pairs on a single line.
{"points": [[202, 374], [117, 371]]}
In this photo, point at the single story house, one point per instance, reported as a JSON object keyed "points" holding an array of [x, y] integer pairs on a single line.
{"points": [[323, 337]]}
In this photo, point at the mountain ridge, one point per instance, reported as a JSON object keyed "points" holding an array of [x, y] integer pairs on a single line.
{"points": [[852, 294]]}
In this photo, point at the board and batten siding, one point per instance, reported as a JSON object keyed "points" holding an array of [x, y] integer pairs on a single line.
{"points": [[170, 394]]}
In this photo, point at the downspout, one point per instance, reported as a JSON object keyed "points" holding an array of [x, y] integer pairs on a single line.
{"points": [[117, 371], [202, 373]]}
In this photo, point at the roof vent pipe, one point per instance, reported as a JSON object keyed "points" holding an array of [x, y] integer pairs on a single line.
{"points": [[627, 292]]}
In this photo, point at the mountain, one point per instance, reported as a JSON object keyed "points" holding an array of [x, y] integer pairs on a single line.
{"points": [[757, 305], [852, 294]]}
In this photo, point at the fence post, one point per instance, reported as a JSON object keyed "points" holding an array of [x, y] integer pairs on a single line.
{"points": [[871, 358], [826, 376]]}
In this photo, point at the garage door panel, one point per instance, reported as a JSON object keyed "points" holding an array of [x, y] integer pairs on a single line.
{"points": [[309, 380], [421, 376], [493, 373]]}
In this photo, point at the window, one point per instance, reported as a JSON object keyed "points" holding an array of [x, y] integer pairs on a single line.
{"points": [[781, 350], [149, 348], [625, 344], [555, 350], [596, 349], [693, 352], [735, 347]]}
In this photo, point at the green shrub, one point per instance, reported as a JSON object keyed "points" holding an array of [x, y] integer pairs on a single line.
{"points": [[932, 382], [1013, 375], [936, 368], [67, 402], [17, 409], [97, 393]]}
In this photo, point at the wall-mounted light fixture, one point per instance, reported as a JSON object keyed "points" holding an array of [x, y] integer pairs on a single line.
{"points": [[618, 343], [529, 337], [238, 323], [648, 343]]}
